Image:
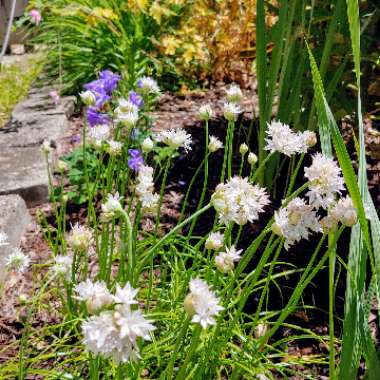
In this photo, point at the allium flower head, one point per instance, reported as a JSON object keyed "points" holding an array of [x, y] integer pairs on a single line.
{"points": [[17, 261], [283, 140], [252, 158], [205, 112], [147, 145], [214, 144], [234, 94], [99, 134], [201, 303], [112, 206], [214, 241], [125, 295], [114, 333], [62, 266], [145, 189], [95, 294], [148, 85], [295, 221], [128, 119], [225, 261], [231, 111], [114, 147], [344, 212], [243, 149], [175, 138], [135, 160], [325, 181], [46, 147], [239, 201], [125, 106], [35, 16], [88, 98], [80, 237]]}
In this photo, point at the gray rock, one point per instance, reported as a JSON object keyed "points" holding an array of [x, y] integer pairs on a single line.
{"points": [[14, 219], [23, 172]]}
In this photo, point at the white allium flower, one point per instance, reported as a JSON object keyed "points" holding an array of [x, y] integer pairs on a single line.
{"points": [[148, 85], [114, 147], [95, 294], [325, 181], [88, 98], [243, 149], [295, 221], [175, 138], [112, 206], [239, 201], [128, 119], [234, 94], [214, 144], [132, 323], [80, 237], [62, 166], [260, 330], [214, 241], [205, 112], [125, 295], [147, 145], [17, 261], [114, 333], [62, 266], [252, 158], [46, 147], [345, 212], [282, 139], [98, 134], [126, 106], [3, 239], [225, 261], [201, 303], [231, 111], [145, 189]]}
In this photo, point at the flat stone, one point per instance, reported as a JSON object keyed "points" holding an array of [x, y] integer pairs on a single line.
{"points": [[23, 172], [32, 132], [14, 219]]}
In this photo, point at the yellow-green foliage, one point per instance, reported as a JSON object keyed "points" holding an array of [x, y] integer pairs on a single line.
{"points": [[15, 81]]}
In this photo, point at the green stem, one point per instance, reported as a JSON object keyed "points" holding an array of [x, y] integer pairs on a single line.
{"points": [[131, 255]]}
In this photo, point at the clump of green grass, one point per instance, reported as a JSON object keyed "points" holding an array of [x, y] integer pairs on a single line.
{"points": [[15, 82]]}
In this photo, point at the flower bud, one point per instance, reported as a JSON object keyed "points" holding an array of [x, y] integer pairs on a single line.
{"points": [[214, 241], [243, 149], [188, 304], [350, 218], [62, 166], [310, 138], [46, 147], [260, 330], [252, 158], [277, 230], [147, 145], [205, 112], [88, 98], [214, 144]]}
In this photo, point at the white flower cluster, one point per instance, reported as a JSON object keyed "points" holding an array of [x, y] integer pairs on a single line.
{"points": [[231, 111], [114, 148], [201, 303], [214, 144], [113, 333], [148, 85], [234, 94], [145, 189], [126, 113], [225, 261], [239, 201], [88, 98], [62, 266], [205, 112], [325, 180], [17, 261], [112, 207], [80, 237], [214, 241], [175, 138], [282, 139], [295, 221], [98, 134]]}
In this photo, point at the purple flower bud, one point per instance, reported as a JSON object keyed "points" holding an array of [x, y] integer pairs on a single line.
{"points": [[95, 118], [136, 99]]}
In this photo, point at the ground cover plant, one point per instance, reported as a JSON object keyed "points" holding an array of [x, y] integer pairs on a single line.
{"points": [[154, 284]]}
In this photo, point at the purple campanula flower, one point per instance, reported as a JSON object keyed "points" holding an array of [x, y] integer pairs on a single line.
{"points": [[101, 98], [110, 80], [135, 159], [136, 99], [94, 117]]}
